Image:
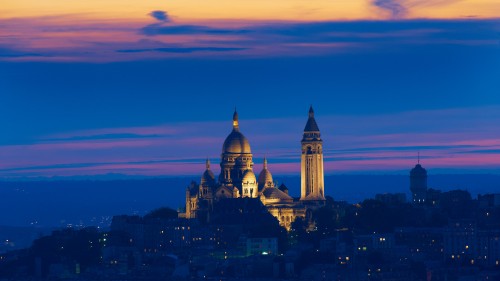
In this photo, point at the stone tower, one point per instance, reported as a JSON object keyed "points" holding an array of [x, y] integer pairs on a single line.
{"points": [[312, 177]]}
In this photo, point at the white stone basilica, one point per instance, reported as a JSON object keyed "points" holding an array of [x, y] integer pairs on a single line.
{"points": [[237, 179]]}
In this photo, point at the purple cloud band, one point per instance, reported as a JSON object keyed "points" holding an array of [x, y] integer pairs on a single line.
{"points": [[463, 140]]}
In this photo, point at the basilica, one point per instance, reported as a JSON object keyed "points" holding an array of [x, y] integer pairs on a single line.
{"points": [[238, 180]]}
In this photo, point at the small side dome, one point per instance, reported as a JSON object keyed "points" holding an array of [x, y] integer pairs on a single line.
{"points": [[249, 185], [208, 176], [249, 177], [265, 177]]}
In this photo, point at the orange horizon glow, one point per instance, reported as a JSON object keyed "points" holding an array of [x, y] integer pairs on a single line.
{"points": [[289, 10], [106, 31]]}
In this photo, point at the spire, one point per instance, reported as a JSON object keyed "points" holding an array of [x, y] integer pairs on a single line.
{"points": [[207, 164], [235, 120], [311, 125], [265, 162], [418, 157]]}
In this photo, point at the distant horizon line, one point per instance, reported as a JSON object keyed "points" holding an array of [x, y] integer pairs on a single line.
{"points": [[118, 176]]}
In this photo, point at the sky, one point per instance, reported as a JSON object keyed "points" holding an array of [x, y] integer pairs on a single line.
{"points": [[148, 88]]}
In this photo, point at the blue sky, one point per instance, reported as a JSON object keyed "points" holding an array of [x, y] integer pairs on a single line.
{"points": [[382, 91]]}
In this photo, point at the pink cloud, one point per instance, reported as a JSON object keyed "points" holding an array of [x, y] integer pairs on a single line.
{"points": [[141, 131]]}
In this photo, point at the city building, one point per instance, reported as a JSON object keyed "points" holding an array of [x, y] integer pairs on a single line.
{"points": [[261, 246], [418, 184], [391, 198]]}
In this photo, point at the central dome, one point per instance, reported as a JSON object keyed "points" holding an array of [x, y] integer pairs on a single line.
{"points": [[236, 141]]}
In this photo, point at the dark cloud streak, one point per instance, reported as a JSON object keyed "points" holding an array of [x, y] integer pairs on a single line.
{"points": [[400, 8], [182, 50], [358, 32], [159, 29], [395, 7], [160, 15], [13, 53]]}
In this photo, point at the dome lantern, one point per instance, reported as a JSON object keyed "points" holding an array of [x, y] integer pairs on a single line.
{"points": [[235, 121], [236, 142]]}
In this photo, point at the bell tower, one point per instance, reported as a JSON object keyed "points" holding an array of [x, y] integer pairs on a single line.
{"points": [[312, 177]]}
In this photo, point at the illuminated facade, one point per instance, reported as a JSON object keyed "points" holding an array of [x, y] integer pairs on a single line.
{"points": [[238, 180], [312, 177]]}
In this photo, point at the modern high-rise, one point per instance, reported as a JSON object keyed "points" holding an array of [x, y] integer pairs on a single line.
{"points": [[418, 184]]}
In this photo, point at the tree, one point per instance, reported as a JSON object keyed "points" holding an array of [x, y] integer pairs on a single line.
{"points": [[162, 213]]}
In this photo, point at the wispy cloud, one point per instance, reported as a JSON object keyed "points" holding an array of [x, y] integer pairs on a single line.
{"points": [[395, 7], [32, 39], [160, 16], [182, 50], [400, 8], [160, 29], [152, 131], [9, 52]]}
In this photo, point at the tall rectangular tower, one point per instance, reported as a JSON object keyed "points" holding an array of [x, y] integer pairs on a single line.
{"points": [[312, 177]]}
